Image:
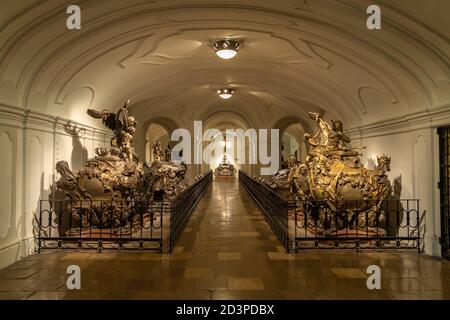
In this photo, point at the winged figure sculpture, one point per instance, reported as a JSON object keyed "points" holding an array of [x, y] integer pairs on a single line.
{"points": [[114, 121], [121, 124]]}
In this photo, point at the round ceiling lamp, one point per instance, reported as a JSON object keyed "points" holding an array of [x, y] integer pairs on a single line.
{"points": [[225, 93], [226, 49]]}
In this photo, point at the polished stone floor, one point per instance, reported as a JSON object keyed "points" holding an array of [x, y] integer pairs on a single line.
{"points": [[227, 252]]}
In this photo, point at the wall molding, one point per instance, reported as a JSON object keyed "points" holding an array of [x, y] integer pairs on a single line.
{"points": [[430, 118], [21, 118]]}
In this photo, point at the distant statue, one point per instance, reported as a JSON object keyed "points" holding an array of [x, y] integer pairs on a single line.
{"points": [[157, 151], [167, 156], [292, 161]]}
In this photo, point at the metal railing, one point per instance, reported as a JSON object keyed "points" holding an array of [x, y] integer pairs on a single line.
{"points": [[183, 205], [91, 224], [393, 224], [358, 224], [275, 209], [116, 225]]}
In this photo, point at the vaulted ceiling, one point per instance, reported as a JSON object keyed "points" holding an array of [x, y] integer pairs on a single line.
{"points": [[297, 56]]}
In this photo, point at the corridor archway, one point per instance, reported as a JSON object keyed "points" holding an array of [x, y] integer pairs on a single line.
{"points": [[389, 87]]}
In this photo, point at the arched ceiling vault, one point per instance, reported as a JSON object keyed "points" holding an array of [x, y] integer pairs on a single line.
{"points": [[297, 56]]}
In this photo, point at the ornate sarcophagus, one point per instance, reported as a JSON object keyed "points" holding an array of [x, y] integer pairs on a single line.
{"points": [[332, 185], [114, 189], [225, 168]]}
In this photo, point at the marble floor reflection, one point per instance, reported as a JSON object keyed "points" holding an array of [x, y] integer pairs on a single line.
{"points": [[227, 252]]}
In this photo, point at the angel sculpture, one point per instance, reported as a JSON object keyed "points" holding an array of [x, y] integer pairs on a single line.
{"points": [[123, 127]]}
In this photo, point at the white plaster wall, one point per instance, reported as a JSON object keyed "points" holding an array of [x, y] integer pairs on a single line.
{"points": [[11, 163], [414, 151], [401, 150], [30, 146]]}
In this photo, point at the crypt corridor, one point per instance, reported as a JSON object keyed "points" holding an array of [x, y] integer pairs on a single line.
{"points": [[184, 149], [227, 251]]}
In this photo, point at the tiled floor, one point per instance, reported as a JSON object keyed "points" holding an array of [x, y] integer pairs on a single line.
{"points": [[227, 252]]}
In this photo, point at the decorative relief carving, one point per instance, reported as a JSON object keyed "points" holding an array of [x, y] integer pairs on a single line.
{"points": [[122, 63], [365, 93], [304, 48], [60, 100]]}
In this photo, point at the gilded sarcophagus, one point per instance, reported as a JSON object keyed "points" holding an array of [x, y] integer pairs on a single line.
{"points": [[333, 185]]}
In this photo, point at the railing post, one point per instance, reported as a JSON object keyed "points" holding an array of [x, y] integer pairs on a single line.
{"points": [[292, 229], [419, 219], [40, 226], [166, 245]]}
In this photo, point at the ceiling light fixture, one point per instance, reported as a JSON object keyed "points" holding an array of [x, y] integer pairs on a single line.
{"points": [[225, 93], [226, 49]]}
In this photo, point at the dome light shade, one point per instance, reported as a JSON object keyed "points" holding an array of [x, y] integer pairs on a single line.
{"points": [[225, 93], [226, 54], [226, 49]]}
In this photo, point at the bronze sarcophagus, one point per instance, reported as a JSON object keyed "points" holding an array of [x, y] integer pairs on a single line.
{"points": [[115, 189]]}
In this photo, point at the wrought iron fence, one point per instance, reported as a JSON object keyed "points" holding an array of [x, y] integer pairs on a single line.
{"points": [[182, 206], [274, 208], [444, 188], [91, 224], [116, 225], [358, 224]]}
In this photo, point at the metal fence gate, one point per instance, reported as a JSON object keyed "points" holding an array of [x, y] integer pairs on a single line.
{"points": [[444, 186]]}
